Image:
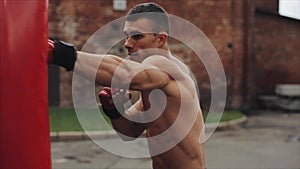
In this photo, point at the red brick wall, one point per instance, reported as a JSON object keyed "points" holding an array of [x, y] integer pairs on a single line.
{"points": [[223, 21], [276, 48]]}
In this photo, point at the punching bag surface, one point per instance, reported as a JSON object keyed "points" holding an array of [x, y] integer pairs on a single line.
{"points": [[24, 119]]}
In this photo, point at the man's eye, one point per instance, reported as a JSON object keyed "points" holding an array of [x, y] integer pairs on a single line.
{"points": [[137, 36]]}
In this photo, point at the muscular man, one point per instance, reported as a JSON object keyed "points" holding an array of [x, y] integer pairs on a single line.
{"points": [[167, 91]]}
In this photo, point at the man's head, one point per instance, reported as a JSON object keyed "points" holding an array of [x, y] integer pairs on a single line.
{"points": [[153, 12], [146, 27]]}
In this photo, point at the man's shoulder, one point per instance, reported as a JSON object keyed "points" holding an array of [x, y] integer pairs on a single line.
{"points": [[168, 65], [156, 60], [162, 62]]}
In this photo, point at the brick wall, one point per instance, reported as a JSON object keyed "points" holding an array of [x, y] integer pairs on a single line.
{"points": [[225, 23], [276, 47]]}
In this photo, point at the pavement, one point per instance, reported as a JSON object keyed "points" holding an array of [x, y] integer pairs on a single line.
{"points": [[268, 140]]}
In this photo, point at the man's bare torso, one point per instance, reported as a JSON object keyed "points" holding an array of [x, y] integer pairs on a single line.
{"points": [[181, 97]]}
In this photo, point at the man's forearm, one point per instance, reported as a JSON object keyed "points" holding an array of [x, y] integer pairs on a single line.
{"points": [[128, 130], [127, 126], [101, 68]]}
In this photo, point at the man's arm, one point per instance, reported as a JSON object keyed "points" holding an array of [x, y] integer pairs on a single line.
{"points": [[106, 67], [112, 103], [127, 128], [126, 73]]}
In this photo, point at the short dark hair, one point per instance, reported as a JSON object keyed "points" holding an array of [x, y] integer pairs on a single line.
{"points": [[151, 11]]}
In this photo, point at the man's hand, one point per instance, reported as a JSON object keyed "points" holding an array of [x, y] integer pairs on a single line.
{"points": [[110, 97], [62, 54]]}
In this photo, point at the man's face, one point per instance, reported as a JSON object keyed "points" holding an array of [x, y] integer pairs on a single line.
{"points": [[140, 36]]}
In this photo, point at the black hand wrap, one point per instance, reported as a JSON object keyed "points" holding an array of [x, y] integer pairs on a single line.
{"points": [[64, 54], [114, 113]]}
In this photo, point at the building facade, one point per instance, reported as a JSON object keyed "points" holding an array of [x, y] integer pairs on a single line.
{"points": [[257, 46]]}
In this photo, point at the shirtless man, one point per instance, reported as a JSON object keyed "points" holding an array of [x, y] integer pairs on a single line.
{"points": [[150, 67]]}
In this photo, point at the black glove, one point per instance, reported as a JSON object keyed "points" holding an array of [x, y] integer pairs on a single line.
{"points": [[62, 54]]}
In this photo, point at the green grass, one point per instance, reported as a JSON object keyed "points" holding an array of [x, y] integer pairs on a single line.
{"points": [[66, 120], [63, 120], [226, 116]]}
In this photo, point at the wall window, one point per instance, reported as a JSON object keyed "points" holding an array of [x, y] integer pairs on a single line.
{"points": [[290, 8]]}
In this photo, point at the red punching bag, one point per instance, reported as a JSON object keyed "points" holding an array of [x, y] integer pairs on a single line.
{"points": [[24, 119]]}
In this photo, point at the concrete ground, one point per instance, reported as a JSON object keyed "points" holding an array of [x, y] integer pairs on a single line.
{"points": [[268, 140]]}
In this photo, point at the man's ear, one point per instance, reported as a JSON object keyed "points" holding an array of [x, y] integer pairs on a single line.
{"points": [[162, 38]]}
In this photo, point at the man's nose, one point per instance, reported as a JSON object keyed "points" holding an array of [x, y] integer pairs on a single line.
{"points": [[128, 43]]}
